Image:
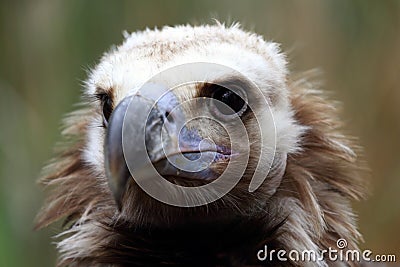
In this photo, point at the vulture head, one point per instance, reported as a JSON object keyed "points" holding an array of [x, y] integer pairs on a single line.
{"points": [[194, 146]]}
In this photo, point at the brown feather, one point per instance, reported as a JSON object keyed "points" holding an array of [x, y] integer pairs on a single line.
{"points": [[312, 206]]}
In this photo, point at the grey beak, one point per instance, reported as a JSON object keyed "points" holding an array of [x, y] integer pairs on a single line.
{"points": [[153, 118], [159, 129], [116, 170]]}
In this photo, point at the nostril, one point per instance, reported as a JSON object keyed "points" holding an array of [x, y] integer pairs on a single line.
{"points": [[169, 117]]}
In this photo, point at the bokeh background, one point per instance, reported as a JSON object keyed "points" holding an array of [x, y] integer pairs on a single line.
{"points": [[46, 46]]}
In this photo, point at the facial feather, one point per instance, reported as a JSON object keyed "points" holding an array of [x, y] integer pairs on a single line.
{"points": [[309, 207]]}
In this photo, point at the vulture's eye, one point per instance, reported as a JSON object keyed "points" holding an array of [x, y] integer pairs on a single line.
{"points": [[106, 103], [228, 102]]}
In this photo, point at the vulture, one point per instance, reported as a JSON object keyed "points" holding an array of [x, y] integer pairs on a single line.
{"points": [[195, 146]]}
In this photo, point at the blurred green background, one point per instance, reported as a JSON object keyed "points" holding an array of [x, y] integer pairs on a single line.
{"points": [[46, 45]]}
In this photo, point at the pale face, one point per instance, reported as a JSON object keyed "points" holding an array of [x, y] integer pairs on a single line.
{"points": [[192, 67]]}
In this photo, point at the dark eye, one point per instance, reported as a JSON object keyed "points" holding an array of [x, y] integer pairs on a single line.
{"points": [[228, 102], [106, 103]]}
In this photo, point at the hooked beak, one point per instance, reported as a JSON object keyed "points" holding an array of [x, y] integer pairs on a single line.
{"points": [[172, 148], [116, 169]]}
